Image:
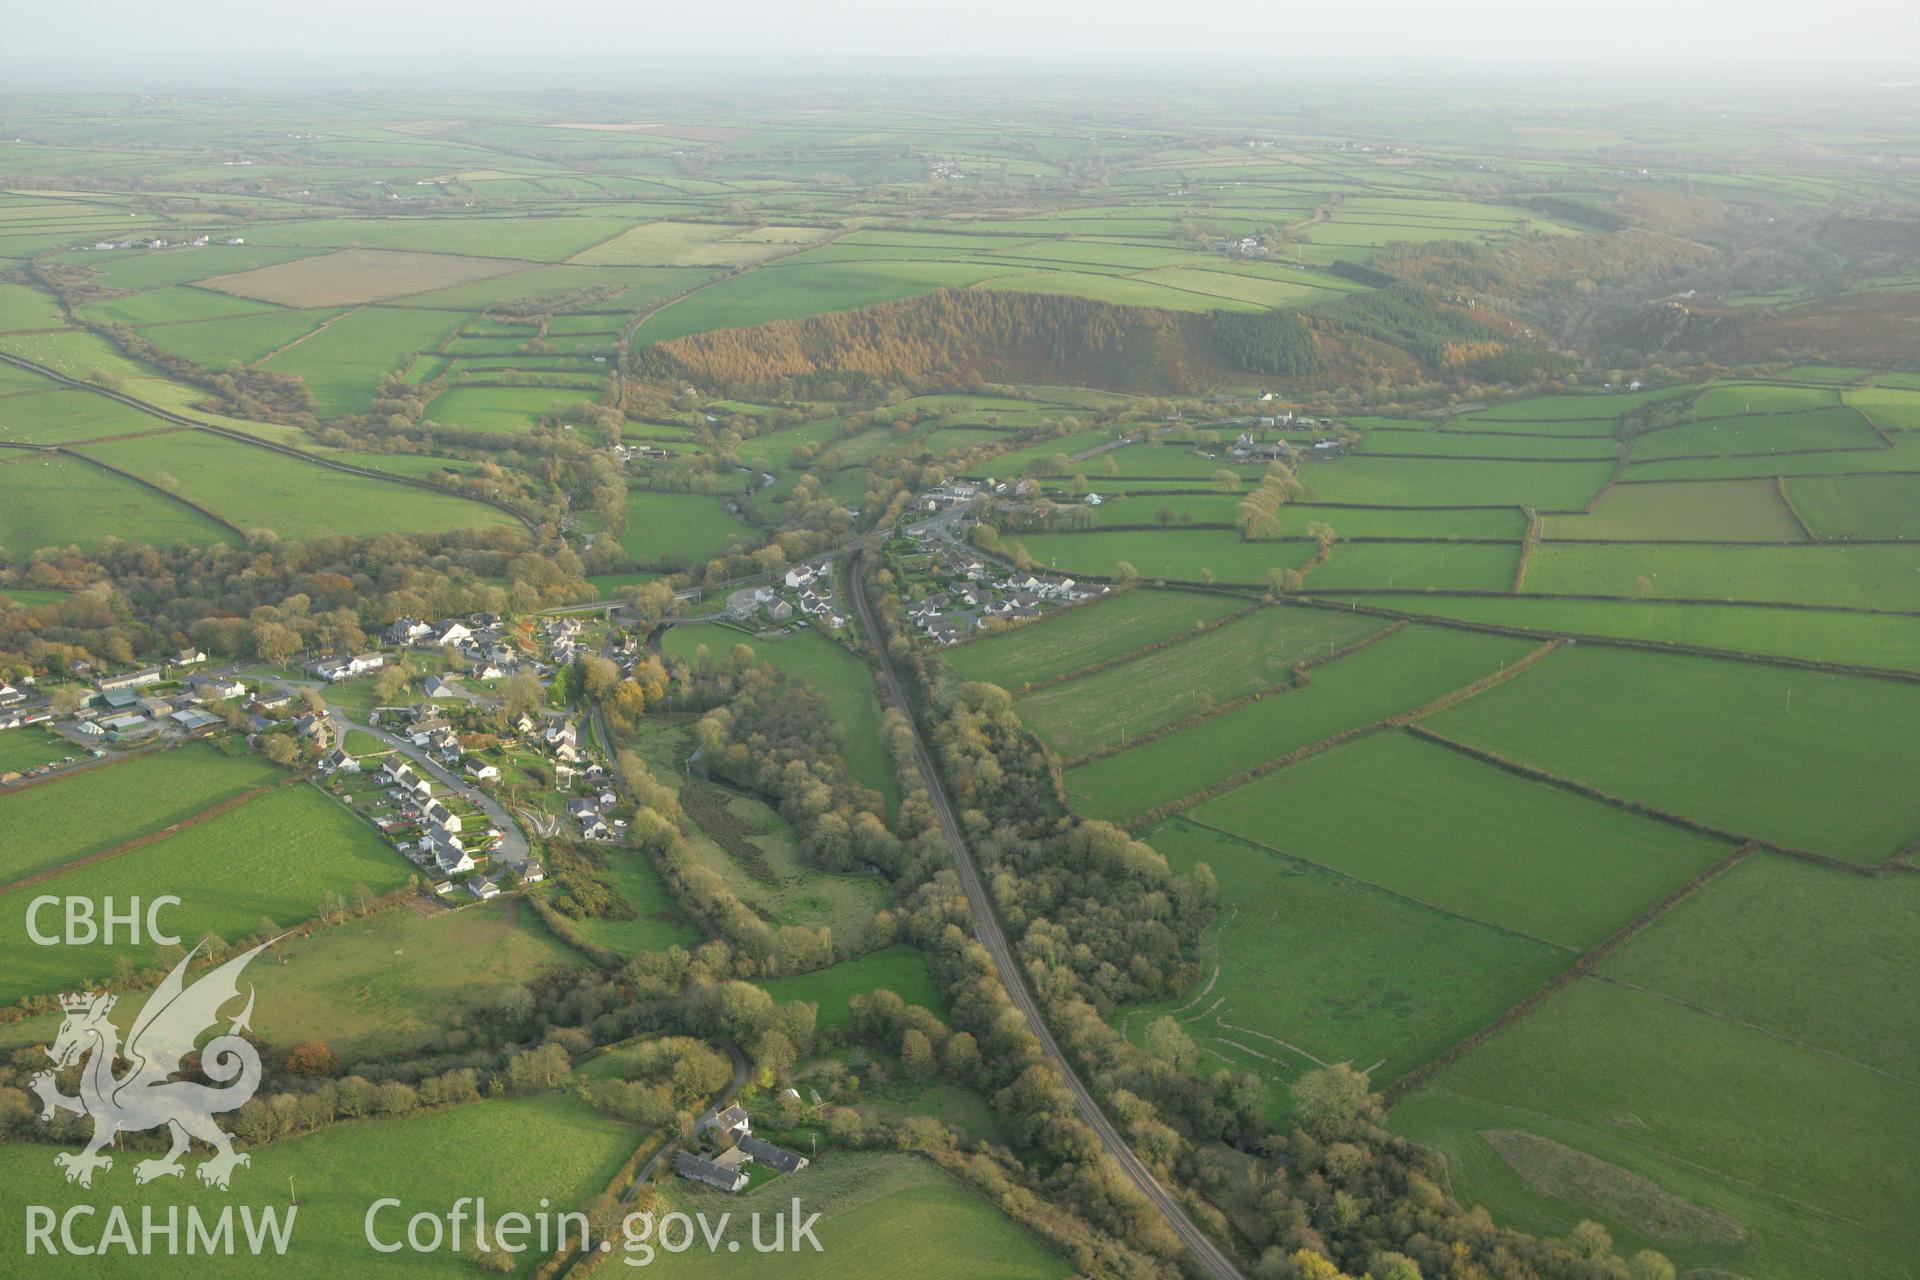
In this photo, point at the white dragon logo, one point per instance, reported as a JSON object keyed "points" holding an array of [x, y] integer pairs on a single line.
{"points": [[147, 1096]]}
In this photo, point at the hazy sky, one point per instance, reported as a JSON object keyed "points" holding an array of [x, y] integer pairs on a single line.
{"points": [[1236, 36]]}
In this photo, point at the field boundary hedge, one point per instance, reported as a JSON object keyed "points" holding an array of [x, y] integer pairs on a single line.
{"points": [[1165, 642], [1617, 642], [241, 437], [1581, 967], [1296, 678], [1640, 808], [1243, 777], [145, 483], [1786, 500]]}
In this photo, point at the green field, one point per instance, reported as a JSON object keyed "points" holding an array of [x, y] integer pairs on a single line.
{"points": [[899, 969], [1861, 577], [1405, 671], [28, 748], [658, 922], [1775, 433], [1804, 952], [763, 866], [1179, 555], [1053, 646], [546, 1147], [1375, 481], [1144, 693], [1887, 641], [392, 980], [344, 362], [1803, 758], [57, 821], [1684, 511], [59, 501], [1470, 839], [273, 857], [1858, 507], [503, 408], [258, 488], [876, 1208], [677, 529], [1305, 967], [1806, 1154]]}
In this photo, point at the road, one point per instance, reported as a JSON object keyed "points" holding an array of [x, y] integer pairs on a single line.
{"points": [[513, 841], [987, 925]]}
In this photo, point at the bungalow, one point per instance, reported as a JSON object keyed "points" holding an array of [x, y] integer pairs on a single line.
{"points": [[452, 633], [532, 872], [442, 886], [777, 1158], [438, 688], [336, 669], [480, 770], [694, 1169], [188, 657], [269, 700], [483, 888], [130, 679]]}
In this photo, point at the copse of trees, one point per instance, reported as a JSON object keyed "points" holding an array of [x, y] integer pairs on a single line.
{"points": [[130, 602]]}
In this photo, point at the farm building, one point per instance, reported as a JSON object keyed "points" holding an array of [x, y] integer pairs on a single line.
{"points": [[694, 1169]]}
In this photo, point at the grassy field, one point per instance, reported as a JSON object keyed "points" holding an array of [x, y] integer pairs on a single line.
{"points": [[1804, 952], [256, 488], [511, 409], [27, 748], [548, 1147], [1141, 694], [658, 922], [1774, 433], [59, 501], [1433, 566], [388, 982], [1054, 646], [1867, 577], [1400, 673], [1627, 1088], [58, 821], [356, 275], [344, 362], [876, 1208], [1372, 481], [1685, 511], [1305, 967], [1864, 507], [273, 857], [765, 869], [1434, 826], [833, 672], [680, 528], [1803, 758], [899, 969], [1181, 555], [1887, 641]]}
